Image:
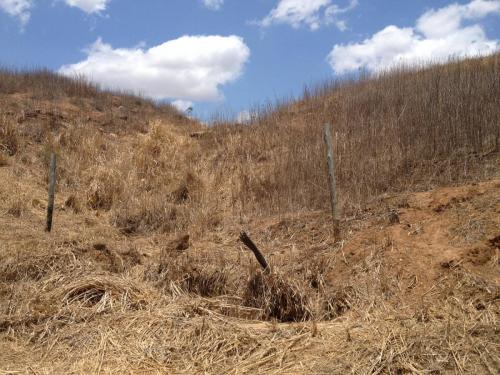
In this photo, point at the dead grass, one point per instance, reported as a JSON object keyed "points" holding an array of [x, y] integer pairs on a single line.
{"points": [[143, 272], [398, 131], [276, 298]]}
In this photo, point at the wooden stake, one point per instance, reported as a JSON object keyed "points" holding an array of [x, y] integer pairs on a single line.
{"points": [[258, 255], [333, 183], [52, 190]]}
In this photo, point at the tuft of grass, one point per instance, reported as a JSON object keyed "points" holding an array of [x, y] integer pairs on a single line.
{"points": [[277, 298]]}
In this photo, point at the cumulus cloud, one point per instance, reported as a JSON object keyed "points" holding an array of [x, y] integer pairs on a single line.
{"points": [[437, 35], [88, 6], [213, 4], [17, 8], [21, 8], [189, 68], [311, 13]]}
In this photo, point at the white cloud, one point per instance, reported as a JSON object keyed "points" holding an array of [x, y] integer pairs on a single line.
{"points": [[17, 8], [88, 6], [189, 68], [439, 23], [438, 34], [213, 4], [182, 105], [21, 8], [310, 13]]}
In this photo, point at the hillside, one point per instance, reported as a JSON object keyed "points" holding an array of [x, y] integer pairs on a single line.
{"points": [[143, 271]]}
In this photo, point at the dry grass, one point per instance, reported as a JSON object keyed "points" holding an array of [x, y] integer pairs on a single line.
{"points": [[398, 131], [276, 298], [61, 313], [144, 273]]}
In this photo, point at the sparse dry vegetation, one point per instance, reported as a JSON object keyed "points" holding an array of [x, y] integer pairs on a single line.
{"points": [[399, 131], [144, 273]]}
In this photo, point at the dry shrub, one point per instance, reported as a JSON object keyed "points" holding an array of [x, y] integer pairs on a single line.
{"points": [[277, 298]]}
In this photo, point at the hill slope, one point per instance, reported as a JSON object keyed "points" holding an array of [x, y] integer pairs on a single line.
{"points": [[144, 272]]}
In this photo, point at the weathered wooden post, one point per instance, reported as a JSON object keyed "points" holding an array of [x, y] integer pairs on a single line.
{"points": [[333, 182], [52, 190], [258, 255]]}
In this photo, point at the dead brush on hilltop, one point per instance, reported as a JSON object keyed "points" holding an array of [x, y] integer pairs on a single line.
{"points": [[407, 129]]}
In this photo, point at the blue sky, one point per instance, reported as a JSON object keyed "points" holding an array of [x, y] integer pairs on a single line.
{"points": [[230, 55]]}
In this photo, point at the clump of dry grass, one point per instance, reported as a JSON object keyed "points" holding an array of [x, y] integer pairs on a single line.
{"points": [[26, 266], [100, 292], [176, 269], [277, 298]]}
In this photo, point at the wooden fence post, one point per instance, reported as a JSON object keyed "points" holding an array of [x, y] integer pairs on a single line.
{"points": [[52, 189], [333, 182], [258, 255]]}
